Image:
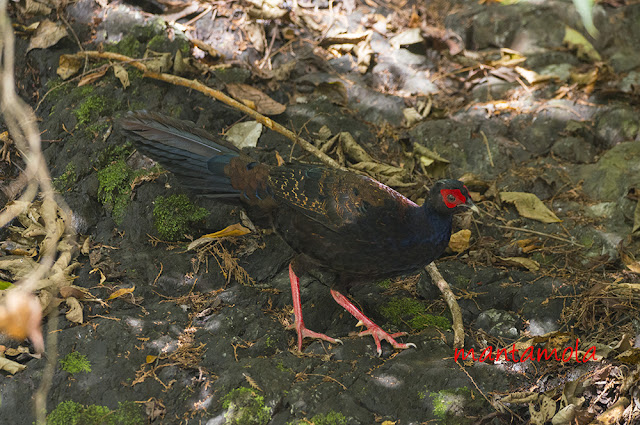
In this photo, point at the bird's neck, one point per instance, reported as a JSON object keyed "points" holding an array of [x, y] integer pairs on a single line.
{"points": [[437, 221]]}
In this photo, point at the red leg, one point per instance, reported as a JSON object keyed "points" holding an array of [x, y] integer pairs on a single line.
{"points": [[302, 331], [372, 329]]}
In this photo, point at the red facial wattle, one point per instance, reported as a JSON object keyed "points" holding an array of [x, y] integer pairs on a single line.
{"points": [[459, 198]]}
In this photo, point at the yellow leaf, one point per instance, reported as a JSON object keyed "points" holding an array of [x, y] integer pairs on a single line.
{"points": [[529, 206], [233, 230], [459, 241], [575, 40], [68, 66], [120, 292], [527, 263], [151, 359]]}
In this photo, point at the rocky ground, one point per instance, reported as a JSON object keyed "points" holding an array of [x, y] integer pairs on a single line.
{"points": [[505, 97]]}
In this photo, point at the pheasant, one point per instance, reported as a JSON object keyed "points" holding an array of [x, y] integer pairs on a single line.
{"points": [[339, 221]]}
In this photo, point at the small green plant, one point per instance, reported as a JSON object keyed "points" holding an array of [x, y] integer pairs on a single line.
{"points": [[114, 189], [75, 362], [385, 283], [72, 413], [412, 312], [66, 179], [173, 214], [330, 418], [450, 406], [245, 407], [89, 109], [128, 46]]}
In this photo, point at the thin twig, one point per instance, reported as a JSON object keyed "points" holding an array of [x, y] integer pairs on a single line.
{"points": [[535, 232], [218, 95], [450, 299]]}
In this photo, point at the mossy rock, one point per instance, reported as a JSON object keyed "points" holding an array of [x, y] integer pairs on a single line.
{"points": [[245, 407], [409, 311], [72, 413], [75, 362], [174, 214]]}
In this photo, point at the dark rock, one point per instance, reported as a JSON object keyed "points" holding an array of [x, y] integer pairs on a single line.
{"points": [[499, 323], [574, 149]]}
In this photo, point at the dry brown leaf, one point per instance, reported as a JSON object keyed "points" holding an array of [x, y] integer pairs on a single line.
{"points": [[75, 310], [527, 263], [251, 96], [630, 262], [18, 266], [352, 149], [150, 358], [520, 397], [122, 75], [532, 77], [120, 292], [20, 316], [75, 292], [364, 53], [256, 35], [542, 410], [529, 206], [68, 66], [10, 366], [93, 77], [47, 35], [433, 163], [32, 7], [244, 134], [459, 241], [636, 220], [374, 168], [157, 62], [630, 356]]}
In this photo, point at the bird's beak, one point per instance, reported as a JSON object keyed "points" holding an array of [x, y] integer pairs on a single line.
{"points": [[472, 207]]}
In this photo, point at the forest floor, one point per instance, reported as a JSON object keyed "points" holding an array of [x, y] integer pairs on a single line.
{"points": [[540, 120]]}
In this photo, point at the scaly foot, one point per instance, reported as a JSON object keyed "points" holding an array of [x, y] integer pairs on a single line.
{"points": [[298, 324], [372, 329]]}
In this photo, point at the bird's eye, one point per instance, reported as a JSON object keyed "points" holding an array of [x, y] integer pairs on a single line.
{"points": [[451, 198]]}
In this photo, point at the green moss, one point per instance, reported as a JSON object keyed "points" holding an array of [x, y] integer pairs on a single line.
{"points": [[385, 283], [89, 109], [72, 413], [67, 179], [97, 128], [114, 188], [66, 413], [57, 88], [158, 43], [114, 153], [129, 413], [94, 414], [269, 342], [128, 46], [452, 406], [331, 418], [173, 215], [412, 312], [75, 362], [245, 407]]}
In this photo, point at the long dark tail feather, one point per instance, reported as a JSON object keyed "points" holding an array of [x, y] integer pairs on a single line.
{"points": [[193, 155]]}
